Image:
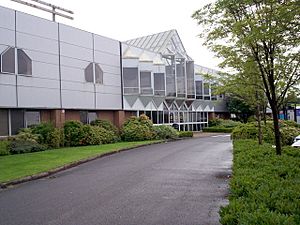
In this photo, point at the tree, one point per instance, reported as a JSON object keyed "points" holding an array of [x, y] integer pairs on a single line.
{"points": [[266, 32], [242, 110]]}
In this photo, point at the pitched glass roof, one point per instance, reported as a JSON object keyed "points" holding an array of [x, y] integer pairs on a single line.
{"points": [[166, 43]]}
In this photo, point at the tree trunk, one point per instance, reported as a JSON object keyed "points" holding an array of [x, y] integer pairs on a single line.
{"points": [[276, 129], [258, 116]]}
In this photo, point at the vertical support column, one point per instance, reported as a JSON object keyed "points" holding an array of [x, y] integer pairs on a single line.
{"points": [[58, 117], [119, 118]]}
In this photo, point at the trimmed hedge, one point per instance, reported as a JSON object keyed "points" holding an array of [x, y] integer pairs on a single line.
{"points": [[250, 131], [165, 132], [218, 129], [223, 123], [107, 125], [265, 187], [186, 134], [20, 146]]}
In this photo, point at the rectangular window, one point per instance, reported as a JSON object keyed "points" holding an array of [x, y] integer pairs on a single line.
{"points": [[206, 88], [160, 117], [8, 61], [154, 117], [199, 90], [145, 80], [170, 77], [32, 118], [131, 82], [17, 120], [148, 113], [92, 116], [166, 117], [4, 129], [190, 79], [83, 117], [159, 84], [180, 74]]}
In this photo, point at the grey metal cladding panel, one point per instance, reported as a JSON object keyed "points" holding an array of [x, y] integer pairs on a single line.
{"points": [[106, 45], [77, 86], [7, 37], [76, 52], [111, 70], [114, 90], [75, 36], [29, 97], [111, 80], [8, 96], [72, 74], [35, 43], [107, 59], [45, 71], [43, 57], [7, 18], [29, 81], [36, 26], [78, 100], [106, 101], [8, 90]]}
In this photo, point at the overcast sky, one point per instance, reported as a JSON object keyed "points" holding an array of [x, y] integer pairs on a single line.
{"points": [[127, 19]]}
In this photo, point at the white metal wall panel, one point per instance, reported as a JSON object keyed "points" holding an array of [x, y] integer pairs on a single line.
{"points": [[108, 101], [36, 26], [8, 90], [7, 37], [108, 45], [74, 36], [47, 98], [76, 52], [78, 99], [7, 18]]}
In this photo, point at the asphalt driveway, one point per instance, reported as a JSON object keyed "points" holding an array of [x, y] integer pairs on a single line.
{"points": [[182, 182]]}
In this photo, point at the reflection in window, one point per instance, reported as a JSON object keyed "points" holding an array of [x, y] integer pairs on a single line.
{"points": [[92, 116], [24, 63], [4, 122], [199, 90], [131, 83], [17, 120], [159, 83], [88, 73], [83, 117], [8, 61], [32, 118], [98, 74], [145, 80]]}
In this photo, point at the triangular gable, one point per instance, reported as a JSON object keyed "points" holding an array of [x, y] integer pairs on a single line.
{"points": [[130, 99], [145, 100], [158, 101]]}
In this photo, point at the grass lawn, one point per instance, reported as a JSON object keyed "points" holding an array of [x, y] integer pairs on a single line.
{"points": [[17, 166]]}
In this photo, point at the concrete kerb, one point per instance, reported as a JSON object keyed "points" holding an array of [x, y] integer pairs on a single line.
{"points": [[70, 165]]}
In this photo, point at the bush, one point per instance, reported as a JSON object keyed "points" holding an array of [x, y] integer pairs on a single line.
{"points": [[43, 130], [165, 132], [20, 146], [73, 133], [4, 147], [138, 129], [107, 125], [185, 134], [26, 134], [264, 189], [95, 135], [223, 123], [55, 139], [218, 129], [250, 131]]}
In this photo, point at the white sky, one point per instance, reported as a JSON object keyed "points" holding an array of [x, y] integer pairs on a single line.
{"points": [[127, 19]]}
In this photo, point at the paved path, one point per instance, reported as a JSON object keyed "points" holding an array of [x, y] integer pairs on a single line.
{"points": [[180, 182]]}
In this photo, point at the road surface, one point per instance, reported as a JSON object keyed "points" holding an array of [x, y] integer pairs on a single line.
{"points": [[182, 182]]}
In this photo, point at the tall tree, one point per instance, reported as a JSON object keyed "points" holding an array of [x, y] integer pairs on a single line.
{"points": [[265, 31]]}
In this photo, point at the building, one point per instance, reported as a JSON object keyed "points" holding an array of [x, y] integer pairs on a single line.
{"points": [[54, 72]]}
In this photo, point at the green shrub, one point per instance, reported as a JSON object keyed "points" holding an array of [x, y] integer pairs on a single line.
{"points": [[165, 132], [26, 134], [20, 146], [223, 123], [265, 187], [250, 131], [43, 130], [186, 134], [73, 133], [95, 135], [4, 147], [138, 129], [218, 129], [107, 125], [55, 139]]}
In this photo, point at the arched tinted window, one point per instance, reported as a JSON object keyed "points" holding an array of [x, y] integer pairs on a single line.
{"points": [[8, 61], [24, 63], [88, 73], [98, 74]]}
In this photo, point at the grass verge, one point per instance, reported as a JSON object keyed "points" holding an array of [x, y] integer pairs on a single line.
{"points": [[17, 166], [265, 188]]}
